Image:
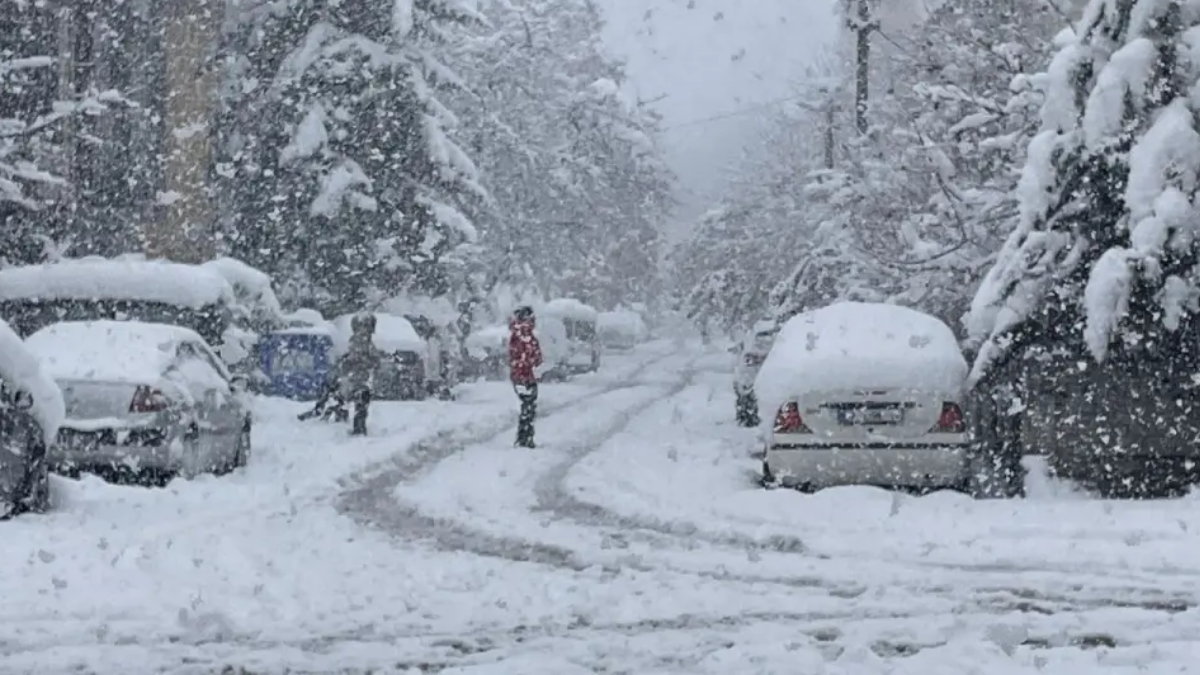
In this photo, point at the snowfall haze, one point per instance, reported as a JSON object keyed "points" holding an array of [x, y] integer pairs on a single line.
{"points": [[485, 337]]}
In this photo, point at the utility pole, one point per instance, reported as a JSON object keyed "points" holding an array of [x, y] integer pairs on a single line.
{"points": [[862, 23], [830, 106]]}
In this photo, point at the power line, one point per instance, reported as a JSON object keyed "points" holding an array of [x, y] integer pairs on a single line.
{"points": [[735, 113]]}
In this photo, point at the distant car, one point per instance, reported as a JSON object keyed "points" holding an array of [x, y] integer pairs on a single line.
{"points": [[409, 367], [579, 351], [143, 400], [751, 352], [865, 393], [487, 353], [620, 330], [31, 408]]}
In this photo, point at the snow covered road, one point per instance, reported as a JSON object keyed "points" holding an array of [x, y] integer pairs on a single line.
{"points": [[632, 540]]}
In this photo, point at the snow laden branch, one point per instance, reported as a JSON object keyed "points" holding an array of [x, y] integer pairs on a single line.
{"points": [[25, 142], [1107, 232]]}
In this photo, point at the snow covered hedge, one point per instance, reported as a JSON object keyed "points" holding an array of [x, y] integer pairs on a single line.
{"points": [[1104, 252]]}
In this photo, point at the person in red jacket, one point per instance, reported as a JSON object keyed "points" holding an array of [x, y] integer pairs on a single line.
{"points": [[524, 357]]}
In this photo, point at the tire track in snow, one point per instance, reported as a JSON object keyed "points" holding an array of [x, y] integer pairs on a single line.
{"points": [[555, 498], [368, 496]]}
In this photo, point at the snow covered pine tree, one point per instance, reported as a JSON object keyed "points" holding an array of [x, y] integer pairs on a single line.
{"points": [[1090, 309]]}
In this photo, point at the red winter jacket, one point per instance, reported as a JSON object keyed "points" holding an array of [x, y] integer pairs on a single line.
{"points": [[524, 352]]}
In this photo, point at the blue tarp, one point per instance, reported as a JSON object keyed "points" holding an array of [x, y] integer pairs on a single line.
{"points": [[295, 364]]}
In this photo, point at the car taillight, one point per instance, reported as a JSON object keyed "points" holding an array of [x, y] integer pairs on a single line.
{"points": [[788, 420], [951, 420], [147, 399]]}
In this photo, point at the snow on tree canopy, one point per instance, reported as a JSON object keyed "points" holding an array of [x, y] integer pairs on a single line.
{"points": [[1108, 193], [170, 283], [854, 345], [21, 371]]}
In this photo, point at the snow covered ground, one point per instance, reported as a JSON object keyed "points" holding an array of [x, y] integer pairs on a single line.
{"points": [[632, 540]]}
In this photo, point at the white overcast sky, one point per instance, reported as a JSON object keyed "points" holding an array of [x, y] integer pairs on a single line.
{"points": [[717, 57]]}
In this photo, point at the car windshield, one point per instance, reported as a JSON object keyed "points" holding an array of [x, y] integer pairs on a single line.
{"points": [[29, 315], [583, 331]]}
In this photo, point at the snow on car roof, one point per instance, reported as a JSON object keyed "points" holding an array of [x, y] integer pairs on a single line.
{"points": [[569, 308], [253, 285], [856, 345], [392, 334], [170, 283], [108, 351], [21, 370]]}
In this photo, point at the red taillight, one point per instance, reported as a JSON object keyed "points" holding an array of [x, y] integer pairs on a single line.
{"points": [[788, 420], [147, 399], [951, 420]]}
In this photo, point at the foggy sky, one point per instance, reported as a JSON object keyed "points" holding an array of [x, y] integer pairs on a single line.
{"points": [[720, 56]]}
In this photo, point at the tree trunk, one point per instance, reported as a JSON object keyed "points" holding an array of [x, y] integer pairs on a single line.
{"points": [[863, 27]]}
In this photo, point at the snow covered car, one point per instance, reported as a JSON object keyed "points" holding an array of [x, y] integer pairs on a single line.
{"points": [[487, 353], [865, 393], [407, 371], [751, 352], [143, 400], [621, 329], [582, 348], [88, 289], [31, 408]]}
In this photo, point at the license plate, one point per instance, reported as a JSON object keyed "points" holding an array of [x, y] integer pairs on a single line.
{"points": [[855, 416]]}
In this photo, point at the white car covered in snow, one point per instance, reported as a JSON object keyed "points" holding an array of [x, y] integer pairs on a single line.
{"points": [[487, 352], [409, 368], [621, 329], [31, 410], [864, 393], [580, 352], [143, 400]]}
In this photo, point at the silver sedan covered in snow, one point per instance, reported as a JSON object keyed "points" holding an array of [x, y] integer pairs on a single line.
{"points": [[143, 400]]}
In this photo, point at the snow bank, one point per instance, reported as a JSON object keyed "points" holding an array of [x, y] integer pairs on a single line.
{"points": [[20, 370], [170, 283], [569, 308], [392, 334], [853, 345], [107, 351]]}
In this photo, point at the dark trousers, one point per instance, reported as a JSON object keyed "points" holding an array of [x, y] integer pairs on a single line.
{"points": [[528, 394], [362, 403], [330, 404]]}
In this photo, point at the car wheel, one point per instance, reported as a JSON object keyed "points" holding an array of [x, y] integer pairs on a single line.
{"points": [[768, 480], [241, 455]]}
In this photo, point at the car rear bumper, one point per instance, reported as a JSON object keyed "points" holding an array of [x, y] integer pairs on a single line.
{"points": [[900, 465], [137, 449]]}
